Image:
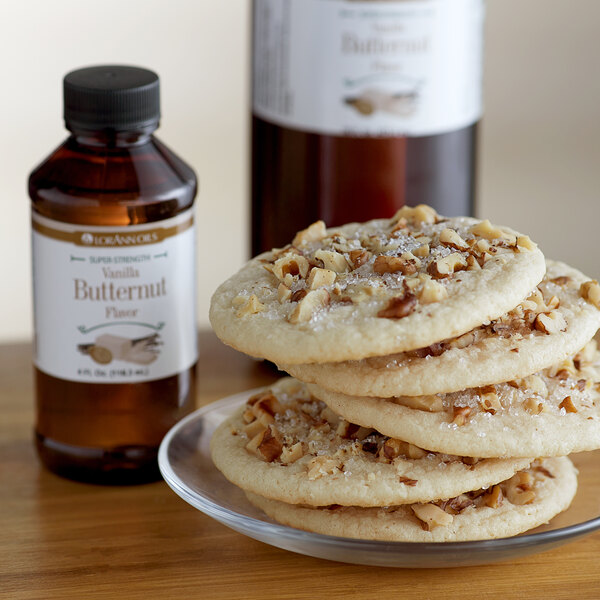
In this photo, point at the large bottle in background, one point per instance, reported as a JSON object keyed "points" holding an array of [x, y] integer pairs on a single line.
{"points": [[360, 107]]}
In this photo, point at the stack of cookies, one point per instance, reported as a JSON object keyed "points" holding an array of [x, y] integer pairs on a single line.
{"points": [[443, 370]]}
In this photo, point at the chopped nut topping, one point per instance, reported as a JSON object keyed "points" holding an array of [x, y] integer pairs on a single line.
{"points": [[408, 481], [432, 291], [444, 267], [561, 280], [252, 307], [552, 322], [394, 264], [432, 516], [524, 243], [266, 408], [359, 258], [590, 291], [460, 415], [534, 383], [313, 233], [518, 489], [290, 264], [541, 469], [463, 341], [429, 403], [319, 466], [393, 448], [319, 278], [419, 214], [568, 405], [534, 406], [399, 307], [265, 445], [352, 431], [298, 295], [451, 238], [487, 231], [309, 305], [473, 264], [291, 454], [412, 283], [248, 416], [488, 399], [283, 293], [254, 428], [334, 261], [494, 497], [455, 506], [422, 251]]}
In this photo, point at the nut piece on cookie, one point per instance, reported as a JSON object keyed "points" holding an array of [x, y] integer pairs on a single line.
{"points": [[460, 414], [489, 232], [332, 260], [283, 293], [488, 399], [567, 405], [422, 251], [320, 466], [524, 242], [518, 489], [590, 291], [319, 278], [252, 306], [395, 264], [552, 322], [399, 307], [265, 445], [418, 214], [431, 516], [359, 257], [432, 291], [291, 454], [535, 384], [313, 233], [309, 305], [429, 403], [451, 238], [494, 497], [393, 448], [265, 409], [444, 267], [290, 264]]}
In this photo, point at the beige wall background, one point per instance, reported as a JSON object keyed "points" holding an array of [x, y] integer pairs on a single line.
{"points": [[540, 149]]}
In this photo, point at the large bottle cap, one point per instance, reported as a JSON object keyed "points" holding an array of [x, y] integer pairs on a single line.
{"points": [[111, 97]]}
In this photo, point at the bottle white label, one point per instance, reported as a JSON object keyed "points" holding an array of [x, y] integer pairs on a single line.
{"points": [[360, 68], [114, 304]]}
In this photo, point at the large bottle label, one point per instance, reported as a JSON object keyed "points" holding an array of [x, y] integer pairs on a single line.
{"points": [[377, 68], [114, 304]]}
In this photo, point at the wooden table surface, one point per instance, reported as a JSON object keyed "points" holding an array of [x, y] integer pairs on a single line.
{"points": [[61, 539]]}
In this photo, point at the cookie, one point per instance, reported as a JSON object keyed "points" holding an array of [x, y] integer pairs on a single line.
{"points": [[288, 446], [552, 324], [551, 413], [528, 499], [376, 288]]}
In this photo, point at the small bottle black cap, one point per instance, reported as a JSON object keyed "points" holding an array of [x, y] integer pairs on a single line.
{"points": [[111, 97]]}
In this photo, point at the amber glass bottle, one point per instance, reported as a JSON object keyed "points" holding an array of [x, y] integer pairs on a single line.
{"points": [[361, 106], [113, 268]]}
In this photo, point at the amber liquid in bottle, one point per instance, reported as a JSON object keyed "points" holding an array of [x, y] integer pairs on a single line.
{"points": [[360, 108], [110, 432], [299, 177]]}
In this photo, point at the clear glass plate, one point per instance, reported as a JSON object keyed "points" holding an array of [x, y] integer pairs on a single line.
{"points": [[185, 463]]}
